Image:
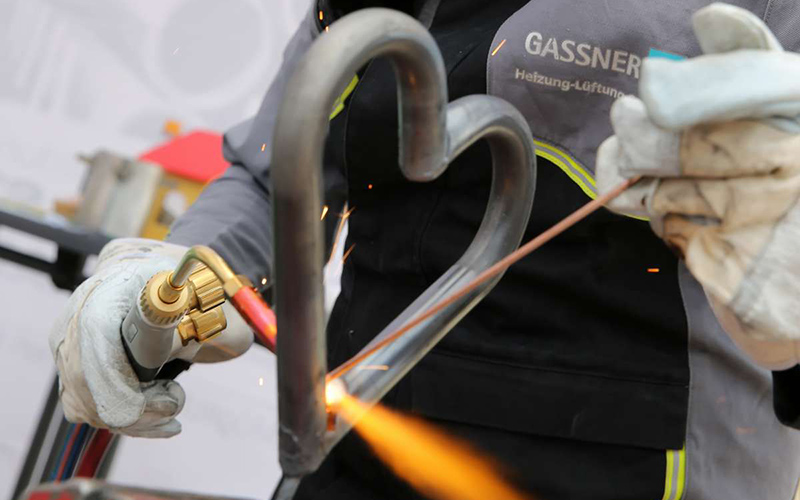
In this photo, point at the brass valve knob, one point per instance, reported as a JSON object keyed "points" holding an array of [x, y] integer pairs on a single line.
{"points": [[205, 318], [208, 291], [202, 326], [198, 306]]}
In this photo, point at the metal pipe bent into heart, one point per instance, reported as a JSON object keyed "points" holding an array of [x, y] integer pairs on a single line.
{"points": [[431, 134]]}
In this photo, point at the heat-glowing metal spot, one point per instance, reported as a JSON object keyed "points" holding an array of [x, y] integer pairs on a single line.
{"points": [[335, 392], [498, 47]]}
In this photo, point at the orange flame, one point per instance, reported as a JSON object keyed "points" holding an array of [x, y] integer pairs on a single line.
{"points": [[434, 463]]}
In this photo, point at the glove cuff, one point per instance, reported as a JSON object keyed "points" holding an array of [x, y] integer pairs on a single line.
{"points": [[771, 354]]}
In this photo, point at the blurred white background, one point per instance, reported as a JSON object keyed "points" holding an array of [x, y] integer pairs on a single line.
{"points": [[78, 75]]}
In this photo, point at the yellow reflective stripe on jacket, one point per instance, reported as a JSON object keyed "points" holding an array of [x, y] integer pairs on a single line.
{"points": [[338, 105], [573, 169], [675, 480]]}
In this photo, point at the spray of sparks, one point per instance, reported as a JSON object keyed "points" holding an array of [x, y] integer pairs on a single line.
{"points": [[342, 221], [434, 463]]}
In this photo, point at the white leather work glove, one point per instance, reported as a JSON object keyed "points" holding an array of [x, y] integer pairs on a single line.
{"points": [[97, 383], [717, 139]]}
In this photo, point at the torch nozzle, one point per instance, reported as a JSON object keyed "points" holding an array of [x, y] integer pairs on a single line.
{"points": [[168, 292]]}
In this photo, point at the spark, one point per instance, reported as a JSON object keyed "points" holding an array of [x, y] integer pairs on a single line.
{"points": [[498, 47], [342, 219], [260, 381], [320, 15], [327, 28], [263, 281], [347, 253], [369, 186], [263, 146], [324, 212], [438, 465], [172, 127], [176, 51], [653, 270]]}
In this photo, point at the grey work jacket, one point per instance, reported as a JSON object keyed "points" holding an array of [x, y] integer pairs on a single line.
{"points": [[577, 342]]}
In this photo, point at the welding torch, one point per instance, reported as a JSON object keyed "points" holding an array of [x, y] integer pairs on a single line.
{"points": [[187, 302]]}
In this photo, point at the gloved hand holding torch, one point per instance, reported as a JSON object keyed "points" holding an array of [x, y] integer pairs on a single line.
{"points": [[98, 384], [716, 140]]}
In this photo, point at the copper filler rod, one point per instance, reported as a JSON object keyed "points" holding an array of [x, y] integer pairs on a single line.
{"points": [[497, 268]]}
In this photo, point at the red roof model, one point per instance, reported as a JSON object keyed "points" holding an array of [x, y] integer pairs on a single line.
{"points": [[196, 156]]}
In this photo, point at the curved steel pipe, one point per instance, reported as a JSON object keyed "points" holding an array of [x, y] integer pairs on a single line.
{"points": [[426, 147], [300, 133], [513, 183]]}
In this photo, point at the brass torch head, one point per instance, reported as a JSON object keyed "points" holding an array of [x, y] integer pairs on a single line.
{"points": [[162, 308], [205, 319], [209, 280]]}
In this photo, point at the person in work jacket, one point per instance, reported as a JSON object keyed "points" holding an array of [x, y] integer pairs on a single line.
{"points": [[596, 369]]}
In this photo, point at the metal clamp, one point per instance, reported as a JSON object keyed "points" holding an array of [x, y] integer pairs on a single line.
{"points": [[432, 134]]}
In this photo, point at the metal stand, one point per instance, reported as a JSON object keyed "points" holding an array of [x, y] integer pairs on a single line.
{"points": [[51, 424], [74, 246]]}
